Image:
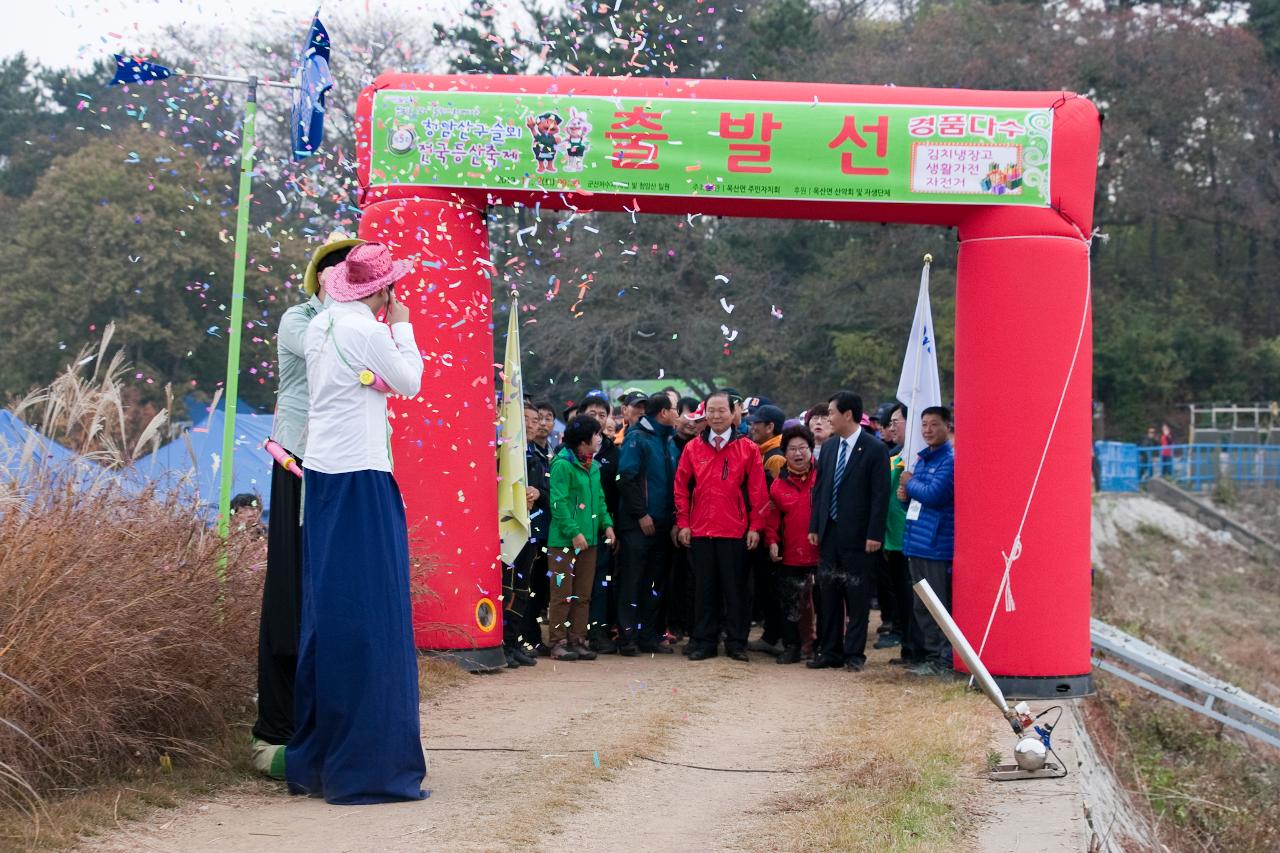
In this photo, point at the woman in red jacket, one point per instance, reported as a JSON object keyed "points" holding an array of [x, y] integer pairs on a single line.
{"points": [[786, 532]]}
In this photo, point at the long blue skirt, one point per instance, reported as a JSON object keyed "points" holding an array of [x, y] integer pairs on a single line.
{"points": [[357, 737]]}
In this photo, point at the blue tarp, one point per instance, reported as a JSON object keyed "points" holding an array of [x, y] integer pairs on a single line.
{"points": [[26, 455], [193, 460]]}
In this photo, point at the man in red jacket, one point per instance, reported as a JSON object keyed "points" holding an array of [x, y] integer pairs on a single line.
{"points": [[720, 497]]}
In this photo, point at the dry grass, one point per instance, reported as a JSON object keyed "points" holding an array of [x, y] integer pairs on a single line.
{"points": [[119, 648], [91, 410], [122, 654], [893, 779], [438, 676], [1219, 609], [135, 795]]}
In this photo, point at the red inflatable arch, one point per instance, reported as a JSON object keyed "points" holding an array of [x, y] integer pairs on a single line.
{"points": [[433, 157]]}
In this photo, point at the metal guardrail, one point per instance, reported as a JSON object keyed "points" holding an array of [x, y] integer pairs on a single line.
{"points": [[1124, 467], [1161, 673]]}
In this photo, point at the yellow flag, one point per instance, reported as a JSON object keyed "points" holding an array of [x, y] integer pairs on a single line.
{"points": [[513, 512]]}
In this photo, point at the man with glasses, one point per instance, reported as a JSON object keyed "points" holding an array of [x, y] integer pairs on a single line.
{"points": [[897, 576]]}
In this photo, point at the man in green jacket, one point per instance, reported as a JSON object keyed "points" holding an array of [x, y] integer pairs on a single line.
{"points": [[578, 516], [897, 570]]}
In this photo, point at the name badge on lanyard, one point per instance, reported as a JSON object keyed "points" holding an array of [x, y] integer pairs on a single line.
{"points": [[913, 510]]}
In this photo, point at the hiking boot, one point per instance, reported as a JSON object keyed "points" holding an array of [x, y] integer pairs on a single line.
{"points": [[887, 641], [584, 651], [766, 648], [511, 661], [561, 651], [702, 654], [930, 669], [790, 654], [603, 644], [522, 657], [739, 654], [627, 650]]}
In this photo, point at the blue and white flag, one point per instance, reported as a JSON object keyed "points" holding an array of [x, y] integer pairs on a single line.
{"points": [[919, 388], [314, 80], [130, 69]]}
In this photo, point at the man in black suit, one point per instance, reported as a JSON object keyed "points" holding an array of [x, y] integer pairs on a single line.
{"points": [[850, 504]]}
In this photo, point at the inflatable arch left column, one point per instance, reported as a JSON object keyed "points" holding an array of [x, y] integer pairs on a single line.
{"points": [[443, 437]]}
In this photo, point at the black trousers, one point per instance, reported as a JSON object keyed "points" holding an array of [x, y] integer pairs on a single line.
{"points": [[281, 617], [887, 593], [516, 579], [720, 585], [641, 576], [764, 594], [932, 643], [539, 594], [676, 606], [844, 580], [904, 608], [790, 582]]}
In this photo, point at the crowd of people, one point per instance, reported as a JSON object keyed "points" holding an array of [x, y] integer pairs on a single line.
{"points": [[668, 522]]}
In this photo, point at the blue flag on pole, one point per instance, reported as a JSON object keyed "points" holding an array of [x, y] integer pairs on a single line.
{"points": [[308, 102], [130, 69]]}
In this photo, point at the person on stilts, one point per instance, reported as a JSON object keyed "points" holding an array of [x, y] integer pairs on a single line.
{"points": [[356, 694], [282, 586]]}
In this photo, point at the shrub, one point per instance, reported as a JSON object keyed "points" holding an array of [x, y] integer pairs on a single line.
{"points": [[119, 645]]}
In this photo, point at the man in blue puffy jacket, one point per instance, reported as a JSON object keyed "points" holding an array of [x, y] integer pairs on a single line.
{"points": [[646, 511], [929, 540]]}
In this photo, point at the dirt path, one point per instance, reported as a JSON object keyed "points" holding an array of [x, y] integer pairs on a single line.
{"points": [[540, 732]]}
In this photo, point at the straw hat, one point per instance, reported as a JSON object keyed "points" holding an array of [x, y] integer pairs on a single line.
{"points": [[337, 240], [367, 269]]}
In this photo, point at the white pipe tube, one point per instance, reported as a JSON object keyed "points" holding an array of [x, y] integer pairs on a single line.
{"points": [[961, 645]]}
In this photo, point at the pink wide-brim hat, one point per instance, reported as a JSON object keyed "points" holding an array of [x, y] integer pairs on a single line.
{"points": [[367, 269]]}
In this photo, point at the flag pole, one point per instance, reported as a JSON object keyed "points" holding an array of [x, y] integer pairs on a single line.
{"points": [[243, 199], [910, 464]]}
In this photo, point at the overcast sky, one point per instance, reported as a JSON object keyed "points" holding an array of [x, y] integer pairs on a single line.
{"points": [[58, 33]]}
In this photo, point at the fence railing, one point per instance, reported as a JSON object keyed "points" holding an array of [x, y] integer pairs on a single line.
{"points": [[1124, 467]]}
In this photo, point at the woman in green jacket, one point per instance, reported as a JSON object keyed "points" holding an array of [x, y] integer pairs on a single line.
{"points": [[578, 516]]}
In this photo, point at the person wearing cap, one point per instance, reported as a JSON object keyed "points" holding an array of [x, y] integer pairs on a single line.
{"points": [[646, 511], [633, 402], [850, 505], [882, 417], [764, 427], [356, 694], [719, 497], [282, 585]]}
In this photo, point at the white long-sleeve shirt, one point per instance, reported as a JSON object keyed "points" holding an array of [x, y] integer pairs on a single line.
{"points": [[347, 427]]}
